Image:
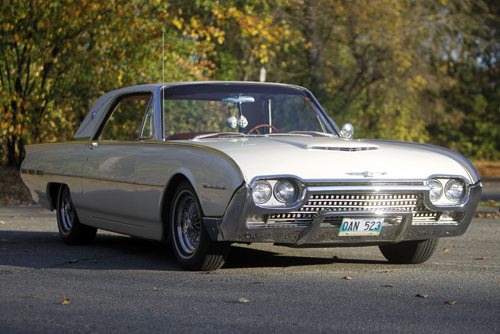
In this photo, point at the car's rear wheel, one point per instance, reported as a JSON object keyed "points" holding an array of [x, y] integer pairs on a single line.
{"points": [[409, 252], [70, 228], [190, 241]]}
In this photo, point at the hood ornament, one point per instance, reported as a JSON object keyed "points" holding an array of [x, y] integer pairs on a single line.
{"points": [[367, 174]]}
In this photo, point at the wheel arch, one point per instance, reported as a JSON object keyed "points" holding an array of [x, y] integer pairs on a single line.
{"points": [[166, 201], [52, 192]]}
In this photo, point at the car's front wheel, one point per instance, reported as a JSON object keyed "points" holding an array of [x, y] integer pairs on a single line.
{"points": [[70, 228], [410, 252], [190, 241]]}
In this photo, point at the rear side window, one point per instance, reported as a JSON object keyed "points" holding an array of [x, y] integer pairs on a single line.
{"points": [[126, 120]]}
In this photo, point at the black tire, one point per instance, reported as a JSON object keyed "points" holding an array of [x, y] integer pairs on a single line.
{"points": [[71, 230], [410, 252], [190, 241]]}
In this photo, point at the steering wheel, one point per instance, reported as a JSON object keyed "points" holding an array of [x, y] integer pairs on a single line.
{"points": [[261, 126]]}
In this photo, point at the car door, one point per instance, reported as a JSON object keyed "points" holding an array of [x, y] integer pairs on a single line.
{"points": [[109, 187]]}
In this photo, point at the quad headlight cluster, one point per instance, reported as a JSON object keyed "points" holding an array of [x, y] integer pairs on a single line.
{"points": [[447, 191], [275, 193]]}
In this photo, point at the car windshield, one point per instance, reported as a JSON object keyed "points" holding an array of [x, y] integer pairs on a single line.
{"points": [[221, 110]]}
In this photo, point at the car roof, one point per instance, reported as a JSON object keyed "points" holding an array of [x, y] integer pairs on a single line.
{"points": [[151, 87], [101, 105]]}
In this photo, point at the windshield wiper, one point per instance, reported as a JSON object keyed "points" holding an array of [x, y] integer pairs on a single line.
{"points": [[219, 134], [305, 133]]}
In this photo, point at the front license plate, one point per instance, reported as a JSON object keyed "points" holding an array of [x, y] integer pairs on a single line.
{"points": [[360, 227]]}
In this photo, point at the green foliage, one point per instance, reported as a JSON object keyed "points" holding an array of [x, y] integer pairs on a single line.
{"points": [[423, 71], [126, 119], [196, 116]]}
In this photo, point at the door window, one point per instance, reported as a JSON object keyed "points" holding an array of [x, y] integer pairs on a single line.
{"points": [[147, 130], [126, 119]]}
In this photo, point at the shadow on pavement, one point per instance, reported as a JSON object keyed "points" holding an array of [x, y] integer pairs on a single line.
{"points": [[44, 250], [255, 258]]}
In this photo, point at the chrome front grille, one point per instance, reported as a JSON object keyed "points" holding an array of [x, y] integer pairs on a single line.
{"points": [[362, 202], [359, 203]]}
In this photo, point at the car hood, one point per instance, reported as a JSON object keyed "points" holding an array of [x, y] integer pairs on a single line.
{"points": [[332, 158]]}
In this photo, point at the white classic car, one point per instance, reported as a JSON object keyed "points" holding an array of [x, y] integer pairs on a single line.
{"points": [[206, 164]]}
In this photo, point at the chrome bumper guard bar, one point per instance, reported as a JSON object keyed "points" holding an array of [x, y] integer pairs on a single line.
{"points": [[233, 226]]}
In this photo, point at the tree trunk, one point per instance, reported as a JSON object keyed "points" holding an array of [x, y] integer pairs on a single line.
{"points": [[313, 39]]}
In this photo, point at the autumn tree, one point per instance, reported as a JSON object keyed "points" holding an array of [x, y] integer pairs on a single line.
{"points": [[411, 70], [464, 52], [57, 57]]}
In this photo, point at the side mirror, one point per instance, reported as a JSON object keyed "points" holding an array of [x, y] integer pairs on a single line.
{"points": [[347, 131]]}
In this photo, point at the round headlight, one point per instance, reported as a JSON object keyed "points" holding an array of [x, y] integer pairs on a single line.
{"points": [[285, 191], [454, 190], [262, 191], [436, 190]]}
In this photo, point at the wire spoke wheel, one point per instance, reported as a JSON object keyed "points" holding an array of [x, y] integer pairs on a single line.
{"points": [[66, 212], [188, 224], [190, 241], [70, 228]]}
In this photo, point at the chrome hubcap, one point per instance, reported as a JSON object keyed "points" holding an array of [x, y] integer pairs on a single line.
{"points": [[66, 213], [187, 224]]}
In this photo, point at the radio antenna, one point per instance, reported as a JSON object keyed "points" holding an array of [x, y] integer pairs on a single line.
{"points": [[163, 56], [163, 75]]}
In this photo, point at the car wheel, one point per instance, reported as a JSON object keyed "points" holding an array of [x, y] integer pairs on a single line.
{"points": [[70, 228], [409, 252], [190, 242]]}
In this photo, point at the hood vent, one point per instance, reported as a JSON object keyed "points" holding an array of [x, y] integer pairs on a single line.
{"points": [[344, 148]]}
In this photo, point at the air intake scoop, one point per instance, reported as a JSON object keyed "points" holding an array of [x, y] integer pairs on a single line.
{"points": [[343, 146]]}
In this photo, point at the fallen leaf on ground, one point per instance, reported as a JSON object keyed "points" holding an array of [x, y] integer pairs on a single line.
{"points": [[2, 222], [421, 295], [445, 250], [243, 300], [347, 278], [388, 286], [213, 272], [156, 289], [65, 301], [451, 302]]}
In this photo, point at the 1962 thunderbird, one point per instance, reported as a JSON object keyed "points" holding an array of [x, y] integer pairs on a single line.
{"points": [[206, 164]]}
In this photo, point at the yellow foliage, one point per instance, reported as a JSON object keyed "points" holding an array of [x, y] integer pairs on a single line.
{"points": [[177, 22]]}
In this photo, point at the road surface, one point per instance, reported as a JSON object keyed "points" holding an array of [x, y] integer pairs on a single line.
{"points": [[121, 284]]}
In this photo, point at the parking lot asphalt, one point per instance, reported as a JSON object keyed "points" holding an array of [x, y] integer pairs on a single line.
{"points": [[491, 190], [123, 284]]}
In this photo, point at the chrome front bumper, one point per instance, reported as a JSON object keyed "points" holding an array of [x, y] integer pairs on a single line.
{"points": [[323, 228]]}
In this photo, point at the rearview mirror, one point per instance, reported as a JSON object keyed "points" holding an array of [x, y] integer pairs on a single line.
{"points": [[238, 99]]}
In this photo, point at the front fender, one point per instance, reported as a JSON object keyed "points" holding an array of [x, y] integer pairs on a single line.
{"points": [[213, 175]]}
